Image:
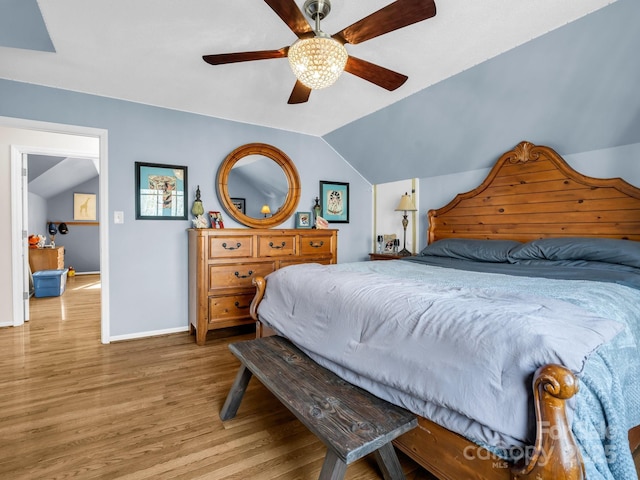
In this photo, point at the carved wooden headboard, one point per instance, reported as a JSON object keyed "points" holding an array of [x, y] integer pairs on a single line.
{"points": [[530, 193]]}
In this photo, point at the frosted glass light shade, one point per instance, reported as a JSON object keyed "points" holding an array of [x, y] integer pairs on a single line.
{"points": [[317, 62]]}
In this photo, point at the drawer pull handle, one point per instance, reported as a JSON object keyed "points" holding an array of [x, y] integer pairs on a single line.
{"points": [[241, 306], [316, 245], [277, 246], [238, 245], [237, 274]]}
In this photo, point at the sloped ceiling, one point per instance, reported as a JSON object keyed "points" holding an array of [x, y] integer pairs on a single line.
{"points": [[48, 175], [470, 96], [150, 51], [574, 89]]}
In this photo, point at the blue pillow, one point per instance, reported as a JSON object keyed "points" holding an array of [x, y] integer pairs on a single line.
{"points": [[495, 251], [609, 250]]}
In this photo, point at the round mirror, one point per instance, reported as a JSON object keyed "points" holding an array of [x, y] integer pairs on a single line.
{"points": [[258, 185]]}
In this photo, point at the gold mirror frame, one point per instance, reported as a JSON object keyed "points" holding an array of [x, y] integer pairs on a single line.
{"points": [[289, 169]]}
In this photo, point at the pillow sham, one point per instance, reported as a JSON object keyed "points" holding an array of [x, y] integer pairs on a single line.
{"points": [[495, 251], [609, 250]]}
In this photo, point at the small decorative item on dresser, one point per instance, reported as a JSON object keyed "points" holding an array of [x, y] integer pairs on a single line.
{"points": [[317, 209], [303, 219], [321, 223], [197, 209], [216, 220]]}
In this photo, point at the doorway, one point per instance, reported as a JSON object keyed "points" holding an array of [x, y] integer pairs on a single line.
{"points": [[27, 137]]}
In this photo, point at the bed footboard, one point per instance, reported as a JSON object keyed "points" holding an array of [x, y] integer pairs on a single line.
{"points": [[555, 455]]}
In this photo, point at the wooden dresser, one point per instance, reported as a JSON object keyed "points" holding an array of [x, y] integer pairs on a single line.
{"points": [[223, 262], [46, 259]]}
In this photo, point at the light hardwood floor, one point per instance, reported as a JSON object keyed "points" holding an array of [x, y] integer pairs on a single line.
{"points": [[71, 407]]}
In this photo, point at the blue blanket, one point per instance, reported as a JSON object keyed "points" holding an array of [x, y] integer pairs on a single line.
{"points": [[607, 405]]}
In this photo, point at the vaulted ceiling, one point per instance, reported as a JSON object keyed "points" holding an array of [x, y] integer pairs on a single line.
{"points": [[150, 51]]}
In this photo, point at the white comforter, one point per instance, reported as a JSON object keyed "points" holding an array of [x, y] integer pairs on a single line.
{"points": [[460, 355]]}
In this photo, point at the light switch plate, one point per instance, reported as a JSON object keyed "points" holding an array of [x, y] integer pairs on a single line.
{"points": [[118, 217]]}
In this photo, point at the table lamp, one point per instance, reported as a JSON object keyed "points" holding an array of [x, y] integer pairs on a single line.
{"points": [[265, 210], [405, 205]]}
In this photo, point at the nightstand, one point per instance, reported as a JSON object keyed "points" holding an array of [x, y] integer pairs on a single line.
{"points": [[384, 256]]}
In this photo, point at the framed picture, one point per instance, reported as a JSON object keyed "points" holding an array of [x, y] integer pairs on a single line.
{"points": [[216, 220], [239, 203], [84, 206], [303, 219], [389, 243], [334, 200], [160, 192]]}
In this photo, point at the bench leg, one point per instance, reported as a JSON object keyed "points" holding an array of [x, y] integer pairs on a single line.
{"points": [[388, 462], [234, 397], [333, 467]]}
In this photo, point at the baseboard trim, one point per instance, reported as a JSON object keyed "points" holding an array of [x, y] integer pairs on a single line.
{"points": [[153, 333]]}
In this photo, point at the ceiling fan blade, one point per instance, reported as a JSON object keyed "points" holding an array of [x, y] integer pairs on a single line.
{"points": [[290, 14], [223, 58], [383, 77], [300, 93], [394, 16]]}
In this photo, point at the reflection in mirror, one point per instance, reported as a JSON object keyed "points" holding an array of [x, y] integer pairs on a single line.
{"points": [[259, 181]]}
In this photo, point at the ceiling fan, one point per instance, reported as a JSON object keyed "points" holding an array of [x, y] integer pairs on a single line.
{"points": [[318, 59]]}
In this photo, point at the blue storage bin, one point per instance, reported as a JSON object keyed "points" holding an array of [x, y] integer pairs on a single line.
{"points": [[49, 283]]}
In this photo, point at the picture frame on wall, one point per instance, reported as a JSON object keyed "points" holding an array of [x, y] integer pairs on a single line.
{"points": [[240, 204], [160, 191], [334, 201], [303, 219], [84, 206]]}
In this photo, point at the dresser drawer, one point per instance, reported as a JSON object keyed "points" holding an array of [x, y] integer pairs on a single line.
{"points": [[320, 245], [229, 307], [230, 247], [276, 245], [238, 275]]}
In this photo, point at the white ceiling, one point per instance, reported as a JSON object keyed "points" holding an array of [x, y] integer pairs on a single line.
{"points": [[149, 51]]}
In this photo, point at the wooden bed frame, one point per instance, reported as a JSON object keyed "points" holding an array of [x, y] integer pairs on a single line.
{"points": [[530, 193]]}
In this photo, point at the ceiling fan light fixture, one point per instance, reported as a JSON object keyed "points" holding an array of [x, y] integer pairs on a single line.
{"points": [[318, 61]]}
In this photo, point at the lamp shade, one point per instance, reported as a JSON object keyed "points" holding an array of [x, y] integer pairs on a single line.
{"points": [[317, 62], [406, 204], [265, 209]]}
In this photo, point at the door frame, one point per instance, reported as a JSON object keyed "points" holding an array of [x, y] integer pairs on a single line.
{"points": [[17, 208]]}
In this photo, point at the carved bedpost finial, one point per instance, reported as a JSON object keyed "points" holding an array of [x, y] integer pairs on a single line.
{"points": [[556, 455]]}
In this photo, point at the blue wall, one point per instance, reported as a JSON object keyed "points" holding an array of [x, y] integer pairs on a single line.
{"points": [[574, 89], [82, 243], [148, 258]]}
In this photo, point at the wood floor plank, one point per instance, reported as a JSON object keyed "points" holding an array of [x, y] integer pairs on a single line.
{"points": [[143, 409]]}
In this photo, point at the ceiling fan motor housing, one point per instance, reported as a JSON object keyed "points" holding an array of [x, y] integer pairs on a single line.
{"points": [[317, 8]]}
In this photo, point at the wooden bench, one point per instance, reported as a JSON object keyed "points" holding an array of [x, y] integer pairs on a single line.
{"points": [[350, 422]]}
